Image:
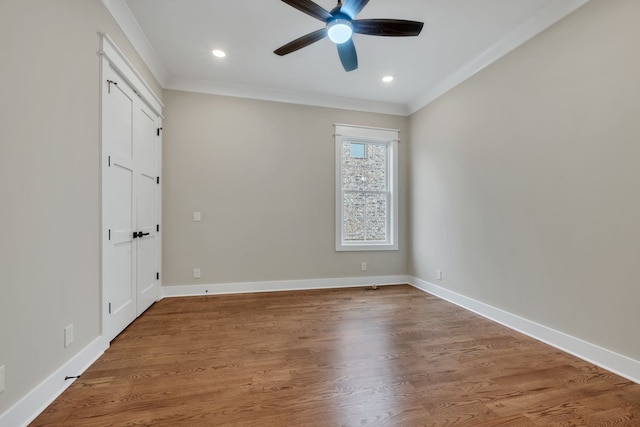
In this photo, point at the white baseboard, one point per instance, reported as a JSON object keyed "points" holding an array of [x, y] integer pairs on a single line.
{"points": [[37, 400], [607, 359], [282, 285]]}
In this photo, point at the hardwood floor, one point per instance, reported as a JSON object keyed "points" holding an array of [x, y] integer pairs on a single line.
{"points": [[351, 357]]}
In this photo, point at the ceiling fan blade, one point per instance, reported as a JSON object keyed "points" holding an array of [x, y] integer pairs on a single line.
{"points": [[387, 27], [301, 42], [348, 55], [310, 8], [353, 7]]}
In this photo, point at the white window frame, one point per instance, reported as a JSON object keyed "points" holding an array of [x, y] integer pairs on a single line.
{"points": [[360, 134]]}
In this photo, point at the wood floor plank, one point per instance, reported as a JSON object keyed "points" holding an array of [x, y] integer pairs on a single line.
{"points": [[346, 357]]}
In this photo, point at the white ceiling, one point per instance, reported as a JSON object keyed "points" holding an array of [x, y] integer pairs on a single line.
{"points": [[460, 37]]}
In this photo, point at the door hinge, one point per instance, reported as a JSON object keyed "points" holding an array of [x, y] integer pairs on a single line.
{"points": [[158, 180], [158, 228], [109, 308], [158, 132], [157, 276], [110, 82]]}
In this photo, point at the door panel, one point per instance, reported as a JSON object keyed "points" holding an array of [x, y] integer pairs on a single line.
{"points": [[147, 287], [146, 149], [118, 195], [146, 152], [147, 252], [121, 269], [118, 118]]}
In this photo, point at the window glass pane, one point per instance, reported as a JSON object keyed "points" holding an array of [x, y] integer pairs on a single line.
{"points": [[376, 206], [349, 161], [364, 168], [354, 214], [376, 156], [353, 172], [357, 150], [368, 172], [375, 179], [365, 217], [354, 178], [375, 221], [376, 230]]}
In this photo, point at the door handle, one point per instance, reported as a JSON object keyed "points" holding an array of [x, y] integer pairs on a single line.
{"points": [[139, 234]]}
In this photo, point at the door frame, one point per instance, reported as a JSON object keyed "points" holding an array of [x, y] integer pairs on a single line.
{"points": [[112, 57]]}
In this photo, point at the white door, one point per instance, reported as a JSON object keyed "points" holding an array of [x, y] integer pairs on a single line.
{"points": [[118, 189], [131, 249], [146, 154]]}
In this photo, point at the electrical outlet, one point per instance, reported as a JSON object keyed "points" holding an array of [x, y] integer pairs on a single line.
{"points": [[439, 274], [1, 379], [363, 266], [196, 273], [68, 335], [197, 217]]}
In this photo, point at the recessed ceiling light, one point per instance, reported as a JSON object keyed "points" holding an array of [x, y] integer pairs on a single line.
{"points": [[219, 53], [387, 79]]}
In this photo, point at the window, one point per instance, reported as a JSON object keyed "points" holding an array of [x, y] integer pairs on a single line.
{"points": [[366, 188]]}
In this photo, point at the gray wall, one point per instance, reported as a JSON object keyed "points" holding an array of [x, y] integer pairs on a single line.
{"points": [[262, 175], [49, 183], [524, 180]]}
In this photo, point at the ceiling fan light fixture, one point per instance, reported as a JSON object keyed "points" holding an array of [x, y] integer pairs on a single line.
{"points": [[339, 30]]}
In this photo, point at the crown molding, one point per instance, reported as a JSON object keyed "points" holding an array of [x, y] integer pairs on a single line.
{"points": [[130, 27], [286, 96], [533, 26]]}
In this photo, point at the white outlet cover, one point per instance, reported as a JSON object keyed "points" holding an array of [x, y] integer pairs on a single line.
{"points": [[196, 273], [197, 216]]}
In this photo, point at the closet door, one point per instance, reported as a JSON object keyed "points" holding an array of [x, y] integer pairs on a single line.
{"points": [[131, 208], [119, 205], [146, 153]]}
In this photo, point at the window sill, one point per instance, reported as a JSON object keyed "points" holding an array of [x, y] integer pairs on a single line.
{"points": [[364, 248]]}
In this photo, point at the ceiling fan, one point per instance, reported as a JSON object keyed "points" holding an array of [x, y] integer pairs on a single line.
{"points": [[340, 26]]}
